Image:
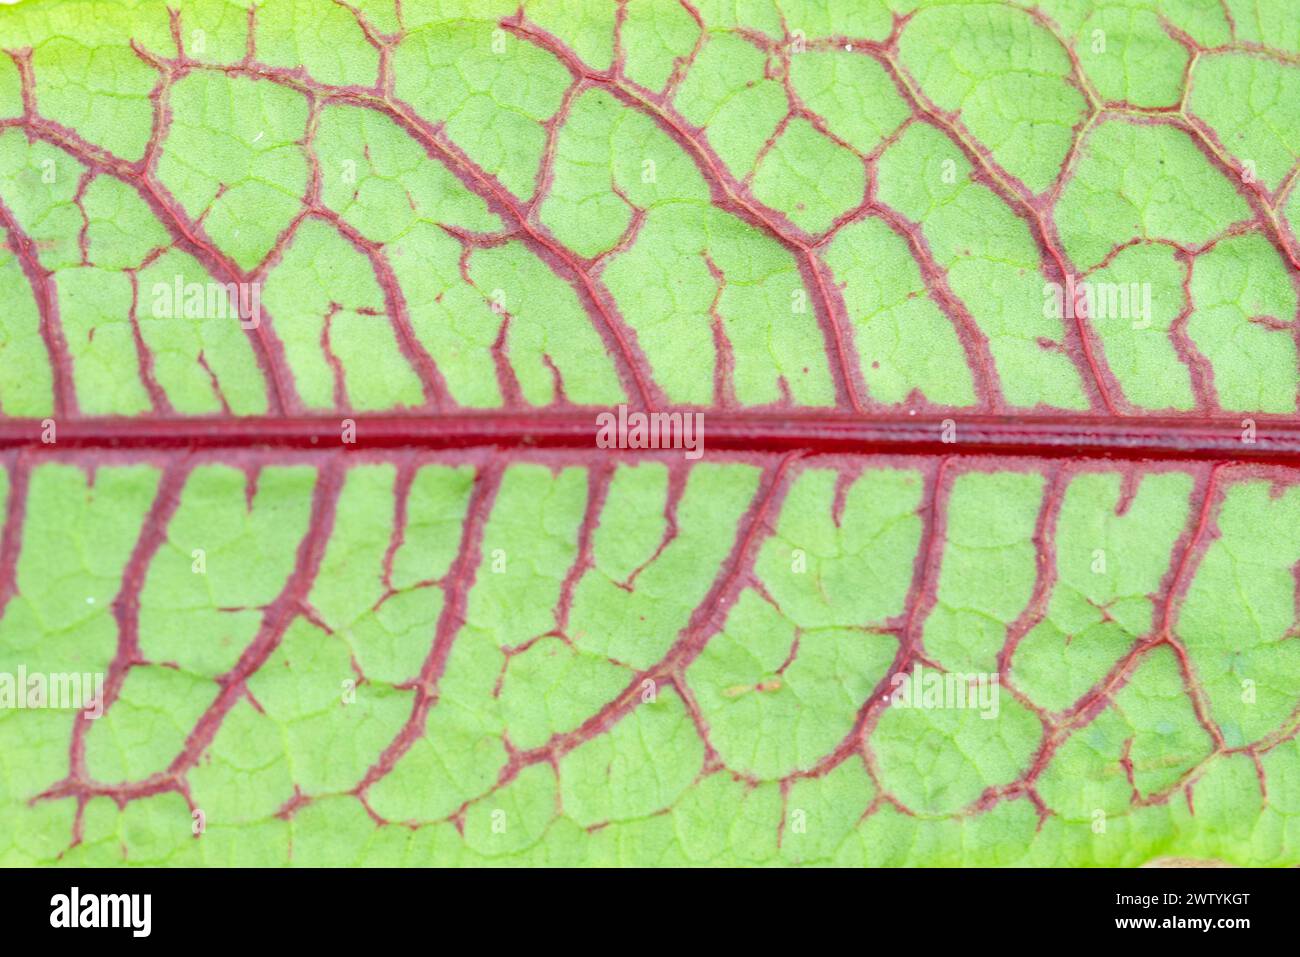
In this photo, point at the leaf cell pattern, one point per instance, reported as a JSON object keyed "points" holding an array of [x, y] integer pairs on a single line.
{"points": [[846, 207], [214, 211], [551, 658]]}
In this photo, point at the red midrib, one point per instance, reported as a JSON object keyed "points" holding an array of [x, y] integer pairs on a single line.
{"points": [[1277, 439]]}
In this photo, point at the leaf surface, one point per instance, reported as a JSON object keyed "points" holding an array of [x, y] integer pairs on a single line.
{"points": [[990, 312]]}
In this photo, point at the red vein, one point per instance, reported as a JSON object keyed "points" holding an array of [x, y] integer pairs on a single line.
{"points": [[1220, 438], [459, 580], [47, 307]]}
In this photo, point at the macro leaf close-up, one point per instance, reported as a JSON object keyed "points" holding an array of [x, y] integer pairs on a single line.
{"points": [[649, 433]]}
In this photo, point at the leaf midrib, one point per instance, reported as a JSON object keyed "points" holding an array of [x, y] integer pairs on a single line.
{"points": [[1187, 438]]}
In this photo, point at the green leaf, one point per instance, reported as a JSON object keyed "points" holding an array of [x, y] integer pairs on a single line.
{"points": [[312, 555]]}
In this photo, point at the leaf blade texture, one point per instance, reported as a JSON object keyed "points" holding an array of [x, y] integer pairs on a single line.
{"points": [[234, 234]]}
